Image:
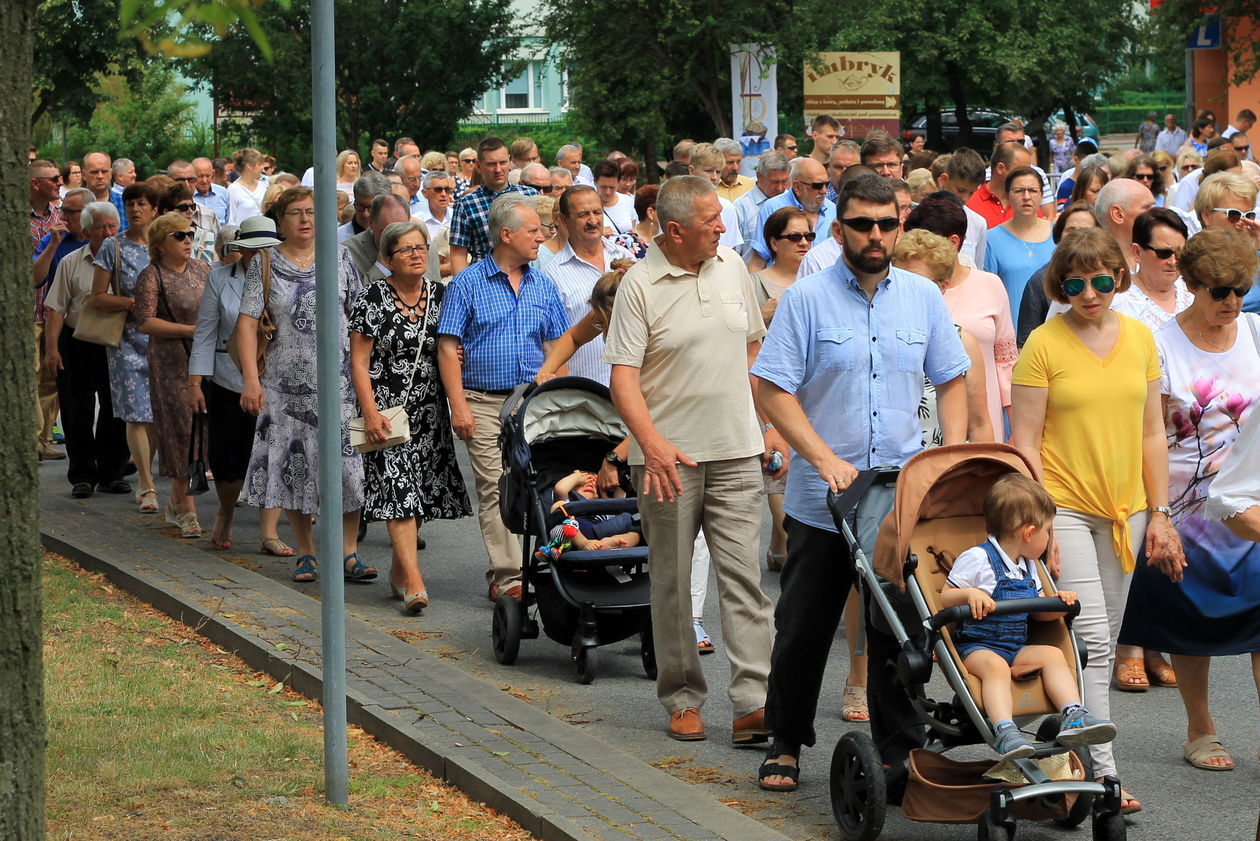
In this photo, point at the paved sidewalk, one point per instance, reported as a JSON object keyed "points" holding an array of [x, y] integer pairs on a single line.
{"points": [[559, 783]]}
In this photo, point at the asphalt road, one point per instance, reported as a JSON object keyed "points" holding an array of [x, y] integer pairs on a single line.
{"points": [[621, 707]]}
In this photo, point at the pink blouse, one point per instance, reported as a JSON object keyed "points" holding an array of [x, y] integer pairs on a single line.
{"points": [[980, 306]]}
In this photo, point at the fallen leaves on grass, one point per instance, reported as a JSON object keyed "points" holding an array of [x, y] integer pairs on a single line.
{"points": [[409, 636]]}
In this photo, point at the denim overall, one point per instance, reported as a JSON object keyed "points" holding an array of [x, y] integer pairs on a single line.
{"points": [[1004, 635]]}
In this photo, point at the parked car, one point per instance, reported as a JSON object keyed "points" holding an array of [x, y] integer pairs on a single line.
{"points": [[984, 126], [1085, 125]]}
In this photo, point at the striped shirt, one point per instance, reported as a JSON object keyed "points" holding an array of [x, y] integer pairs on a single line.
{"points": [[470, 225], [502, 331], [41, 225], [574, 279]]}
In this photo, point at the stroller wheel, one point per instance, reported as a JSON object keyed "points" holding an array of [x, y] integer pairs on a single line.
{"points": [[988, 829], [1110, 828], [509, 617], [648, 653], [858, 787], [585, 661]]}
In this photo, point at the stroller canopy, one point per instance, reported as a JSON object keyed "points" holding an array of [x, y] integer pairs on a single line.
{"points": [[943, 482], [571, 407]]}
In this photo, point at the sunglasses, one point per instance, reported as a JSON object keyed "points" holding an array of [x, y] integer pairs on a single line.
{"points": [[863, 224], [180, 236], [1144, 176], [1234, 215], [53, 178], [814, 185], [442, 189], [1160, 253], [467, 160], [808, 236], [1220, 293], [1242, 150], [186, 207], [1189, 167], [187, 179], [1073, 286], [790, 148]]}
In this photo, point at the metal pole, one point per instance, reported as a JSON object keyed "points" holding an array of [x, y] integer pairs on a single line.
{"points": [[328, 327], [1190, 110]]}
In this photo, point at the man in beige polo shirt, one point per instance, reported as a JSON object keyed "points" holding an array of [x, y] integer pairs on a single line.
{"points": [[682, 336]]}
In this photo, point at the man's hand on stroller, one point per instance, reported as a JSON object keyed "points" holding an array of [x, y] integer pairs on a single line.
{"points": [[660, 469], [774, 443], [836, 472]]}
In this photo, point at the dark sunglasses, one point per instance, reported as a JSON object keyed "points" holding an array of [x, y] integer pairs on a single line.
{"points": [[181, 235], [1160, 253], [186, 207], [1242, 150], [1073, 286], [863, 224], [1220, 293], [814, 185], [808, 236], [790, 148], [1144, 176], [1234, 215]]}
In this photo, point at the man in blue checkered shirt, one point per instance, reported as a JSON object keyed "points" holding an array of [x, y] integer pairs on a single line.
{"points": [[507, 317], [470, 231]]}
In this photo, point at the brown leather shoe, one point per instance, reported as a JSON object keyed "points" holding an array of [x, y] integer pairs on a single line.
{"points": [[494, 592], [750, 729], [686, 725]]}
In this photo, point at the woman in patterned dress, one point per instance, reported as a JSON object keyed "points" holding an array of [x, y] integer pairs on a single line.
{"points": [[168, 294], [393, 362], [284, 465], [129, 362]]}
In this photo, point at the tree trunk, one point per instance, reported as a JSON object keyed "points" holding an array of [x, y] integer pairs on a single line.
{"points": [[21, 650], [960, 106]]}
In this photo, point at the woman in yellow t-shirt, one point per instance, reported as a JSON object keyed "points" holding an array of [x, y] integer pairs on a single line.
{"points": [[1086, 411]]}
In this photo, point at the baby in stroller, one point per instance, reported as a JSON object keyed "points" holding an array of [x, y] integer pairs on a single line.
{"points": [[595, 531], [1018, 514]]}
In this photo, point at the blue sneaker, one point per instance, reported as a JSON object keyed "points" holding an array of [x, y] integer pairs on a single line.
{"points": [[1080, 728], [1011, 744], [57, 435]]}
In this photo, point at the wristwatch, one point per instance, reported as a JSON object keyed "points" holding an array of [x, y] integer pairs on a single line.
{"points": [[614, 459], [1162, 509]]}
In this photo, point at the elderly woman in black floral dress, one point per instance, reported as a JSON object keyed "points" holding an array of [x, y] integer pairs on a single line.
{"points": [[393, 362]]}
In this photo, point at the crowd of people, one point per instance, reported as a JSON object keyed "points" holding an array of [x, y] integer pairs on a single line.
{"points": [[768, 328]]}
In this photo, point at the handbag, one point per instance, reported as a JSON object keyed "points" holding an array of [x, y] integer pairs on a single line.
{"points": [[399, 423], [98, 326], [266, 329], [197, 482]]}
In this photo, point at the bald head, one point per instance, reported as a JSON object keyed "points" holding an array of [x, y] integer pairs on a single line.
{"points": [[537, 176], [1119, 202]]}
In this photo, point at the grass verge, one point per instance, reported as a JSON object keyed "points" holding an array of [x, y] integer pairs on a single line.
{"points": [[156, 733]]}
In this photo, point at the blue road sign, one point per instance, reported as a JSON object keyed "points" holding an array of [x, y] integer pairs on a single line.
{"points": [[1206, 36]]}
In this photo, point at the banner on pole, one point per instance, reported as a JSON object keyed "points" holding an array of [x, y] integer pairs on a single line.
{"points": [[754, 100], [861, 90]]}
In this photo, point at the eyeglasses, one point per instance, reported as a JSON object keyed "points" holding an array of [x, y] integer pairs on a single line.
{"points": [[408, 250], [1220, 293], [886, 166], [1143, 176], [814, 185], [552, 228], [441, 189], [187, 179], [1073, 286], [1242, 150], [309, 213], [56, 179], [1026, 191], [863, 224], [362, 208], [797, 236], [1189, 167], [467, 160], [180, 236], [1160, 253], [1234, 214], [186, 207]]}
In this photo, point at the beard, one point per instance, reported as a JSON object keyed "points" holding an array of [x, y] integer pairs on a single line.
{"points": [[868, 262]]}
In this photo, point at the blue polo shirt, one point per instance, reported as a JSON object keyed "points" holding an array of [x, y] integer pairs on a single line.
{"points": [[826, 215], [216, 202], [502, 331], [857, 367]]}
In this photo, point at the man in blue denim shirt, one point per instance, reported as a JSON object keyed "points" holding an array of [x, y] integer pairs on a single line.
{"points": [[841, 376]]}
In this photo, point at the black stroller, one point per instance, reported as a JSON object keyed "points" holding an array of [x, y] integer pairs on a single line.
{"points": [[937, 515], [584, 599]]}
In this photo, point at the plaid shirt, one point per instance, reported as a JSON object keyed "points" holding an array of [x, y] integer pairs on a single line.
{"points": [[502, 331], [470, 226], [40, 226]]}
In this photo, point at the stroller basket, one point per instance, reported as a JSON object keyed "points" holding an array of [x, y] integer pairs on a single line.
{"points": [[944, 790]]}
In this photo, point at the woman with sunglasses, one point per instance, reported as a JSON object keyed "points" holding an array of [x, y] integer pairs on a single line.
{"points": [[168, 295], [1211, 381], [1086, 412], [1023, 243], [1145, 171], [178, 198], [1227, 201]]}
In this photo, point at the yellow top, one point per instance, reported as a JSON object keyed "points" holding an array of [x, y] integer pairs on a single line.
{"points": [[1091, 444]]}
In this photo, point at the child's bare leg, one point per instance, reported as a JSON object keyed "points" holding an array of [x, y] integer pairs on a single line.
{"points": [[1058, 679], [625, 540], [995, 682]]}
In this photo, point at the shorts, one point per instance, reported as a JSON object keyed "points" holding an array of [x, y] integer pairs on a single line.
{"points": [[1005, 651]]}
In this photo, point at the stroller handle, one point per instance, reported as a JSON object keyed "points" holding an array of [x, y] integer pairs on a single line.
{"points": [[1047, 604], [845, 501]]}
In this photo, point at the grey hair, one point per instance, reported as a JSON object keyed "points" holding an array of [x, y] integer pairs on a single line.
{"points": [[398, 163], [772, 162], [1096, 159], [797, 164], [728, 146], [676, 202], [559, 170], [225, 239], [1058, 126], [379, 203], [120, 166], [88, 195], [505, 212], [395, 231], [370, 185], [95, 209], [546, 172], [566, 149], [434, 175]]}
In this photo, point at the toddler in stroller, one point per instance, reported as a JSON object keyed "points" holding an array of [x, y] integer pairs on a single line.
{"points": [[594, 531], [1018, 514]]}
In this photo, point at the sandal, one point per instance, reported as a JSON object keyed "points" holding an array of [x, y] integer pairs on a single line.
{"points": [[147, 505], [415, 602], [1130, 675], [771, 768], [306, 571], [1160, 672], [775, 560], [276, 546], [1128, 803], [703, 643], [355, 569], [1204, 748], [853, 705]]}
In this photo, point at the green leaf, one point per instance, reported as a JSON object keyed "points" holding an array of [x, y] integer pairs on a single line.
{"points": [[276, 689]]}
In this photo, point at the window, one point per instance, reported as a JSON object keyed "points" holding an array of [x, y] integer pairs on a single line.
{"points": [[524, 92]]}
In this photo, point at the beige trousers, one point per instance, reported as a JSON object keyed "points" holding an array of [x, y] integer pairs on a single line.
{"points": [[45, 391], [724, 499], [502, 547]]}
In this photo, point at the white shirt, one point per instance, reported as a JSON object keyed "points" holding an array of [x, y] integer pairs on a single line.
{"points": [[344, 232], [972, 569], [308, 178], [1187, 191], [574, 279], [821, 257], [431, 223], [243, 203], [585, 176], [976, 241], [732, 238], [621, 217]]}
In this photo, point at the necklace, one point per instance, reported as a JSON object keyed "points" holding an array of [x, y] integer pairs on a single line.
{"points": [[302, 261], [1203, 337], [411, 310]]}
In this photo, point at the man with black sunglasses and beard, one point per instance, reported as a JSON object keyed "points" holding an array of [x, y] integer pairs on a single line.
{"points": [[840, 376]]}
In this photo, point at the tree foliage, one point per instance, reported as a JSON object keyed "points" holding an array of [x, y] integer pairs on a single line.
{"points": [[1176, 19], [402, 67], [74, 40]]}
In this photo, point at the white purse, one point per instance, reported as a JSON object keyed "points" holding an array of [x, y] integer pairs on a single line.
{"points": [[399, 423]]}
